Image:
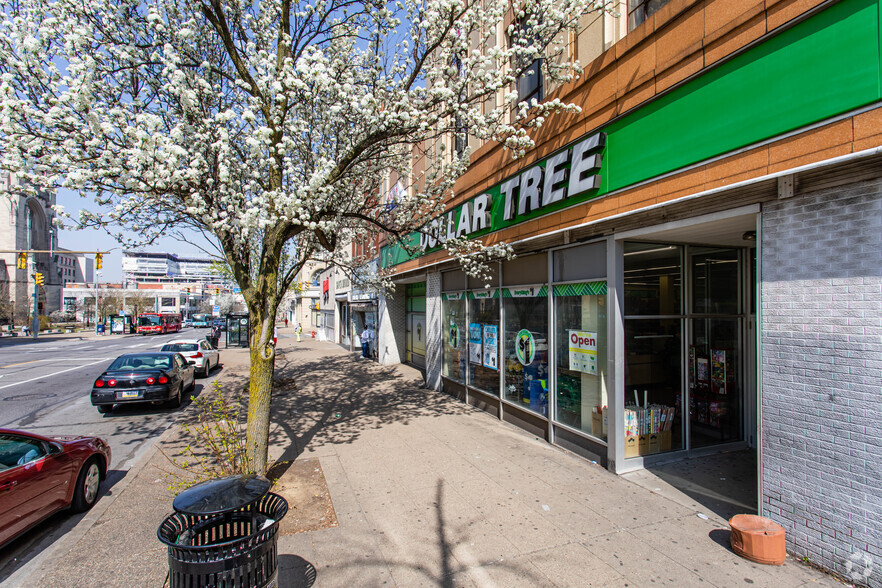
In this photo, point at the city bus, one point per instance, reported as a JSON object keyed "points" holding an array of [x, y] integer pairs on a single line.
{"points": [[155, 322], [201, 320]]}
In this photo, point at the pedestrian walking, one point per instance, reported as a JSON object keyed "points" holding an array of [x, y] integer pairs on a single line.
{"points": [[275, 336], [286, 323], [298, 329]]}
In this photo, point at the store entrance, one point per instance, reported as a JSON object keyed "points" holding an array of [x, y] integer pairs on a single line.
{"points": [[415, 337], [716, 322]]}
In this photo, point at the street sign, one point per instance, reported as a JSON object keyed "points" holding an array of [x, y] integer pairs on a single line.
{"points": [[215, 310]]}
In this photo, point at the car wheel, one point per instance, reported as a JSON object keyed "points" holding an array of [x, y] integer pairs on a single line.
{"points": [[104, 408], [86, 491], [176, 401]]}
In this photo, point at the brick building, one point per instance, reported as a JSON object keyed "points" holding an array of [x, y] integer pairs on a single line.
{"points": [[699, 263]]}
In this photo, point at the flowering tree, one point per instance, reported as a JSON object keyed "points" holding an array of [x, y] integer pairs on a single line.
{"points": [[268, 124]]}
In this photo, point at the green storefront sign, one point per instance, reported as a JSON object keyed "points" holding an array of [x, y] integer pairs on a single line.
{"points": [[824, 66]]}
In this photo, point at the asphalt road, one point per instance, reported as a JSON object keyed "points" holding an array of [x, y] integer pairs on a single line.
{"points": [[44, 388]]}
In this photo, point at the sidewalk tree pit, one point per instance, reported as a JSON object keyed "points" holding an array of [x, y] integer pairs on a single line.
{"points": [[271, 127]]}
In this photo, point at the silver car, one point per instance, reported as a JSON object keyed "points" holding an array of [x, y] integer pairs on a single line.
{"points": [[197, 352]]}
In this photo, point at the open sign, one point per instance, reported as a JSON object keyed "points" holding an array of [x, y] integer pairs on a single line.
{"points": [[583, 352]]}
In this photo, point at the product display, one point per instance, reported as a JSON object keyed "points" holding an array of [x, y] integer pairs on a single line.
{"points": [[647, 427]]}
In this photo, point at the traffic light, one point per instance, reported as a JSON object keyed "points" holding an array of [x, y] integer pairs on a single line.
{"points": [[188, 290], [22, 260], [99, 260], [38, 277]]}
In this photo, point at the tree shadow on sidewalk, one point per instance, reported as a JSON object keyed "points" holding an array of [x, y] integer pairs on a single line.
{"points": [[333, 400]]}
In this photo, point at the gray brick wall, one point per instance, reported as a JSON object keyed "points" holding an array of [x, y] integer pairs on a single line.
{"points": [[392, 329], [821, 370], [433, 330]]}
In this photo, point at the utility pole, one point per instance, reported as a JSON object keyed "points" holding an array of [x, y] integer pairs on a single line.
{"points": [[35, 323]]}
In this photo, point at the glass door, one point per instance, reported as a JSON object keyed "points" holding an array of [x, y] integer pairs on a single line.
{"points": [[716, 342]]}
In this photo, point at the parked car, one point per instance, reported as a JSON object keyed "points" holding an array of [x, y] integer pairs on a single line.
{"points": [[41, 475], [143, 377], [186, 323], [198, 352]]}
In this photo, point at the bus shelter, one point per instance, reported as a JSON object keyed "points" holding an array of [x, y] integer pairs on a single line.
{"points": [[238, 330]]}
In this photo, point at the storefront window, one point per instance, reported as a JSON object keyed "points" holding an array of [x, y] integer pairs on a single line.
{"points": [[526, 347], [715, 281], [581, 347], [653, 280], [483, 340], [653, 385], [454, 333]]}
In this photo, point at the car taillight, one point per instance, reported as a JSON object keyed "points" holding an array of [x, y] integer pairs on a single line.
{"points": [[151, 381], [99, 383], [197, 354], [163, 380], [111, 383]]}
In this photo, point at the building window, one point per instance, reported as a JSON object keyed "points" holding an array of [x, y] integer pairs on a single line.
{"points": [[530, 82], [640, 10], [526, 347]]}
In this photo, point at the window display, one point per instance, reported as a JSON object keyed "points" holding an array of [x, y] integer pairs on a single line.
{"points": [[483, 356], [653, 399], [581, 348], [526, 347], [454, 345]]}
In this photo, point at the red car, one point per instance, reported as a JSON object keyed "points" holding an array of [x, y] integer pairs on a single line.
{"points": [[41, 475]]}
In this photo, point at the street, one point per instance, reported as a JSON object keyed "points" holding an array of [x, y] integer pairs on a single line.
{"points": [[44, 388]]}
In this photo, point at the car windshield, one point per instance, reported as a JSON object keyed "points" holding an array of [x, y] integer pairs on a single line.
{"points": [[148, 321], [145, 361], [180, 347]]}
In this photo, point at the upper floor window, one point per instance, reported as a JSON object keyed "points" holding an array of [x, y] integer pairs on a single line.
{"points": [[530, 84], [640, 10]]}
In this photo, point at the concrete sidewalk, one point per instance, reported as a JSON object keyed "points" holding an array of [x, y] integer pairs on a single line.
{"points": [[427, 492]]}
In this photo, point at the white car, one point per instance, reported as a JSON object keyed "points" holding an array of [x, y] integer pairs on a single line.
{"points": [[197, 352]]}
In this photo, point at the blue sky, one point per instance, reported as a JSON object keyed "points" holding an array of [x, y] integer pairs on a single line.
{"points": [[96, 239]]}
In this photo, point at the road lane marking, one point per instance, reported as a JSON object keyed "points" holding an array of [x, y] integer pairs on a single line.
{"points": [[50, 375], [22, 363], [56, 359]]}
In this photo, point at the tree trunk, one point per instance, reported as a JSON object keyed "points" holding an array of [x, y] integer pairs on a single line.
{"points": [[260, 388]]}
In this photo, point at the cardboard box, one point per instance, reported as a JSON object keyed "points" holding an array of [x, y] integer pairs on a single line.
{"points": [[655, 443], [631, 446], [665, 441], [597, 424], [643, 444]]}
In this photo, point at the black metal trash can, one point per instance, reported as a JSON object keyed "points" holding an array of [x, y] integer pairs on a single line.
{"points": [[224, 533]]}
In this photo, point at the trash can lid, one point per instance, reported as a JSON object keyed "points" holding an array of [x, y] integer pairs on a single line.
{"points": [[222, 495]]}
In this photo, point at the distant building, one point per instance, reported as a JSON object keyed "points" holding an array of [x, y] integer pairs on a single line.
{"points": [[141, 267], [26, 225], [74, 268]]}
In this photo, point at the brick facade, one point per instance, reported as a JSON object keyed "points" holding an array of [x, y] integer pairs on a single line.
{"points": [[821, 362]]}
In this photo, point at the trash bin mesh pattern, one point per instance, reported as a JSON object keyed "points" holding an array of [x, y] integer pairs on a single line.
{"points": [[236, 549]]}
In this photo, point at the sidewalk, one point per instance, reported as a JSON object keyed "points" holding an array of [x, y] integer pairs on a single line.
{"points": [[427, 492]]}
